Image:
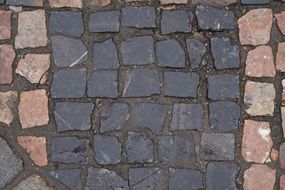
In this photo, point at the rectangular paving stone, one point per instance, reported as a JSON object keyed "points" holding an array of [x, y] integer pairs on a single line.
{"points": [[176, 21], [32, 3], [5, 23], [104, 21], [167, 2], [65, 3], [255, 2], [7, 56], [185, 179]]}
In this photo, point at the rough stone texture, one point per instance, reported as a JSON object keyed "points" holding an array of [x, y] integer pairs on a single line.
{"points": [[282, 182], [30, 3], [139, 17], [283, 120], [7, 55], [166, 2], [259, 177], [33, 67], [255, 2], [217, 146], [33, 182], [97, 3], [214, 2], [105, 21], [176, 21], [221, 175], [280, 57], [185, 179], [213, 18], [259, 98], [274, 154], [282, 156], [70, 116], [69, 177], [260, 62], [33, 108], [256, 141], [226, 53], [32, 30], [196, 50], [280, 17], [7, 102], [255, 26], [105, 179], [5, 24], [65, 3]]}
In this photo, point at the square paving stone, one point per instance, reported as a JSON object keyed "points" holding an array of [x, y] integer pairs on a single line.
{"points": [[223, 86], [196, 50], [169, 53], [138, 51], [180, 84], [103, 84], [71, 116], [139, 148], [139, 17], [107, 149], [185, 179], [224, 116], [226, 53], [176, 21], [71, 178], [69, 150], [217, 146], [177, 149], [66, 22], [187, 116], [105, 21], [69, 83], [105, 55]]}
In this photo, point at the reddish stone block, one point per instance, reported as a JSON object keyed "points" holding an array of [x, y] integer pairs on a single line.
{"points": [[7, 55], [5, 25], [7, 102], [280, 17], [280, 57], [65, 3]]}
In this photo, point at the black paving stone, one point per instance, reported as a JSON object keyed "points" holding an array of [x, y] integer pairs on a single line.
{"points": [[226, 53], [221, 175], [180, 84], [103, 84], [224, 116], [214, 18], [19, 2], [169, 53], [139, 17], [105, 55], [104, 21], [71, 178], [187, 116], [138, 51], [255, 2], [69, 150], [66, 22], [69, 83], [176, 21], [107, 149], [71, 116], [196, 51], [139, 148], [103, 179], [217, 146], [185, 179]]}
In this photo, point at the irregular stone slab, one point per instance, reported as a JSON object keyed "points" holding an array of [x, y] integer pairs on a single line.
{"points": [[105, 179], [180, 84], [255, 26], [71, 178], [139, 148], [35, 147], [138, 51], [33, 67], [226, 53], [30, 3], [187, 117], [7, 56], [33, 182], [65, 3], [224, 116], [259, 98], [66, 22], [148, 115], [176, 21], [214, 2], [260, 62], [105, 55], [185, 179], [214, 18], [105, 21], [32, 30], [221, 175], [282, 156], [280, 57], [107, 149], [217, 146], [166, 2], [169, 53], [196, 51], [280, 17], [113, 117], [69, 150], [139, 17], [5, 25], [70, 83], [33, 108], [7, 102], [255, 2], [68, 52], [256, 141], [71, 116], [97, 3], [259, 177], [142, 83]]}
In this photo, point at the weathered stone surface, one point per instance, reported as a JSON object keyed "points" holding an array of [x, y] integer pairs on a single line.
{"points": [[7, 55], [282, 156], [32, 30], [214, 2], [255, 2], [139, 17], [260, 62], [176, 21], [97, 3], [274, 154], [283, 120], [280, 17], [280, 57], [255, 27], [128, 1], [166, 2], [70, 116], [259, 177], [33, 182], [185, 179], [65, 3], [7, 102], [5, 24], [105, 21], [256, 141], [259, 98], [282, 182], [33, 108], [71, 178], [105, 179], [30, 3], [196, 50]]}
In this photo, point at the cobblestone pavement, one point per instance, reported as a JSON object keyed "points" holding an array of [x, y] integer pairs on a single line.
{"points": [[142, 95]]}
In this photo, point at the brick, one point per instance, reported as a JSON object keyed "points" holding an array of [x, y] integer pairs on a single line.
{"points": [[30, 3], [65, 3], [7, 56], [280, 57], [167, 2], [196, 50], [7, 103], [71, 178], [33, 182], [104, 21], [176, 21], [280, 17], [282, 156], [255, 2], [5, 23], [185, 179]]}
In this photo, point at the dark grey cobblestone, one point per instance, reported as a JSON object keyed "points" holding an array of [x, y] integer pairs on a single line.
{"points": [[71, 178], [105, 21], [185, 179], [22, 2], [196, 50], [255, 2], [2, 1]]}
